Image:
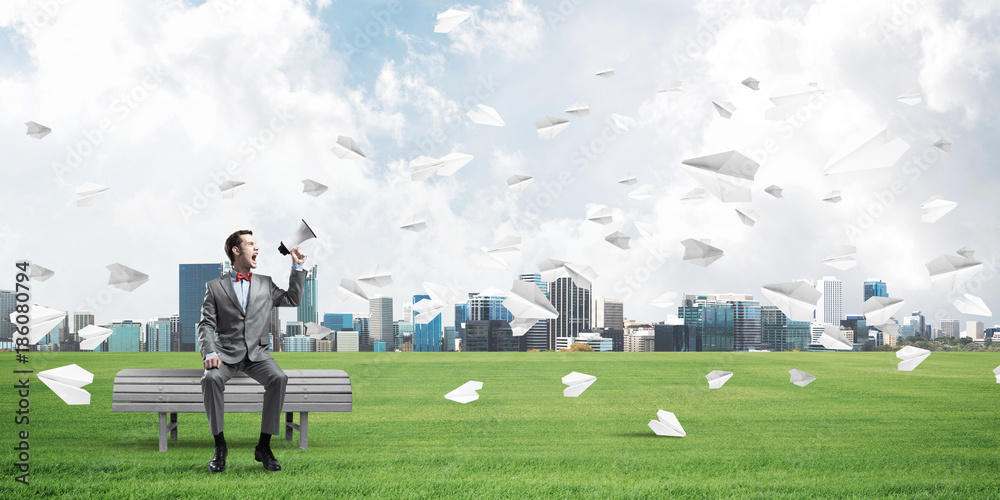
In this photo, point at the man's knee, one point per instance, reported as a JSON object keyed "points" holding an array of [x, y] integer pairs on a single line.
{"points": [[212, 378], [279, 379]]}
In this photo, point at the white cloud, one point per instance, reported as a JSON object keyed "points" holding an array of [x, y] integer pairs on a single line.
{"points": [[514, 29]]}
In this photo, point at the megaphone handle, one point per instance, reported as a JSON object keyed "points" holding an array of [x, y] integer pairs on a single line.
{"points": [[282, 249]]}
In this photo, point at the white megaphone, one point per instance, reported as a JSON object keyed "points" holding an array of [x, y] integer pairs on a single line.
{"points": [[304, 233]]}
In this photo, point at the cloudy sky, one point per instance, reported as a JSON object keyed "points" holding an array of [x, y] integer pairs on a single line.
{"points": [[162, 101]]}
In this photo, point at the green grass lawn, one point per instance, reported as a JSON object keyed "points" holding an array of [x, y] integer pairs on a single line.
{"points": [[861, 430]]}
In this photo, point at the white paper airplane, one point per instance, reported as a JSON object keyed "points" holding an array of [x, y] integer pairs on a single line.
{"points": [[833, 196], [380, 276], [669, 87], [577, 382], [92, 336], [801, 378], [910, 97], [466, 392], [350, 289], [416, 223], [943, 145], [716, 378], [313, 188], [646, 229], [426, 310], [878, 310], [528, 304], [37, 130], [797, 299], [618, 239], [126, 278], [606, 72], [66, 382], [866, 150], [948, 272], [549, 127], [629, 179], [517, 183], [89, 193], [485, 115], [667, 425], [347, 149], [844, 258], [728, 176], [751, 83], [623, 122], [748, 217], [582, 276], [725, 108], [317, 331], [935, 208], [666, 300], [789, 100], [579, 109], [700, 253], [37, 272], [229, 189], [41, 320], [834, 339], [773, 190], [497, 255], [600, 215], [642, 192], [911, 356], [996, 371], [449, 19], [696, 194], [970, 304], [966, 252]]}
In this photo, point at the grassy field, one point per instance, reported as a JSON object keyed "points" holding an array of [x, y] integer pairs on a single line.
{"points": [[861, 430]]}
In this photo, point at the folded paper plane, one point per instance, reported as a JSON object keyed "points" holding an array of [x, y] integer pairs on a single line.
{"points": [[935, 208], [350, 289], [667, 425], [89, 193], [485, 115], [700, 253], [966, 252], [37, 130], [66, 382], [696, 194], [416, 223], [866, 150], [517, 183], [577, 382], [789, 100], [230, 188], [600, 215], [629, 179], [666, 300], [582, 276], [747, 216], [773, 190], [606, 72], [449, 19], [832, 338], [911, 356], [579, 109], [466, 392], [313, 188], [646, 229], [317, 331], [426, 310], [549, 127], [618, 239], [126, 278], [728, 176], [801, 378], [716, 378], [943, 145], [642, 192], [669, 87], [970, 304], [878, 310], [948, 272], [725, 108], [347, 149], [527, 303], [497, 256], [41, 320], [37, 272], [910, 97], [833, 197], [996, 371], [751, 83], [844, 258], [380, 276], [797, 299], [623, 122], [92, 336]]}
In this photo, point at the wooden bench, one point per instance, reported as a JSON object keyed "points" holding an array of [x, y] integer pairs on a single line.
{"points": [[173, 391]]}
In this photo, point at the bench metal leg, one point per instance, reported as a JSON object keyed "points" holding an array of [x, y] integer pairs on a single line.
{"points": [[303, 430], [173, 427], [163, 431]]}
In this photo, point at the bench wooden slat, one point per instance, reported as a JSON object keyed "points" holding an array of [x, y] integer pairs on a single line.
{"points": [[230, 407], [242, 389], [233, 381], [230, 398], [197, 372]]}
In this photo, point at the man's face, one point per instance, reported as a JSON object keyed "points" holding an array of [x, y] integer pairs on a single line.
{"points": [[246, 252]]}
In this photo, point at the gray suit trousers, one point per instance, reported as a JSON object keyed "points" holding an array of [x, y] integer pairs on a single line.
{"points": [[266, 372]]}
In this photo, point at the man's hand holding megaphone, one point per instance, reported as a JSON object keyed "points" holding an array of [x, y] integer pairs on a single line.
{"points": [[298, 255]]}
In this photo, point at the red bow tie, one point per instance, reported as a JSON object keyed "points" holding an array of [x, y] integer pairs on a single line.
{"points": [[241, 276]]}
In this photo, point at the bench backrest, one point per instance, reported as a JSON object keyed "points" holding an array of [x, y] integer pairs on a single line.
{"points": [[179, 391]]}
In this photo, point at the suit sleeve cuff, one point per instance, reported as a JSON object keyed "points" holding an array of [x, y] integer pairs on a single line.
{"points": [[213, 353], [297, 267]]}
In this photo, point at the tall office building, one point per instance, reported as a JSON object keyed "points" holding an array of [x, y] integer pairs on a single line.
{"points": [[488, 306], [175, 332], [537, 337], [573, 305], [361, 326], [746, 320], [158, 336], [713, 319], [875, 288], [81, 320], [607, 313], [338, 321], [307, 311], [951, 328], [974, 330], [192, 279], [347, 341], [830, 308], [461, 316], [778, 333], [490, 336], [294, 328], [126, 336], [299, 343], [426, 336], [449, 339], [7, 303], [858, 326], [380, 320], [673, 338], [919, 323]]}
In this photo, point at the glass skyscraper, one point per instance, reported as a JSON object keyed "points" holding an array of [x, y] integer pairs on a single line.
{"points": [[191, 290], [7, 303], [537, 336], [158, 335], [308, 313], [426, 337], [126, 336], [778, 333], [875, 288], [338, 321]]}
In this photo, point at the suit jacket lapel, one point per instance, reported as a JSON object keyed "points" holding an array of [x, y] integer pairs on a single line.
{"points": [[227, 285], [256, 289]]}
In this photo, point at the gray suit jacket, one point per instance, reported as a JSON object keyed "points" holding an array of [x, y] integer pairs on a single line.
{"points": [[226, 330]]}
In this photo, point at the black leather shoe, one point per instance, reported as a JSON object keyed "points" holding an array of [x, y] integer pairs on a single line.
{"points": [[264, 456], [218, 463]]}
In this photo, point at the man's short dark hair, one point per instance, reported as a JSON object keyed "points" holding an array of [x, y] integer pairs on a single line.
{"points": [[234, 240]]}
